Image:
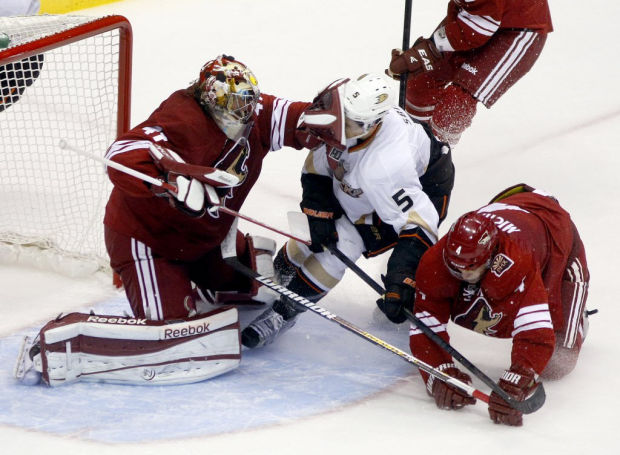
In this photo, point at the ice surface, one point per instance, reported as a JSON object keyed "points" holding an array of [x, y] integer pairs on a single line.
{"points": [[318, 367], [320, 388]]}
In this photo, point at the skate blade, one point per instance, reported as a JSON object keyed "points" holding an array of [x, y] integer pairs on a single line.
{"points": [[23, 363]]}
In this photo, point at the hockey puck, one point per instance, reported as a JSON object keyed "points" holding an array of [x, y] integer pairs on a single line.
{"points": [[4, 40]]}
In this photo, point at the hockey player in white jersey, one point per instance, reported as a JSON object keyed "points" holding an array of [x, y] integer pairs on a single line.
{"points": [[379, 180]]}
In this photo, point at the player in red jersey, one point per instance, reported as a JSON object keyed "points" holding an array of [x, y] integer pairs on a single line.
{"points": [[515, 268], [165, 243], [478, 51], [161, 245]]}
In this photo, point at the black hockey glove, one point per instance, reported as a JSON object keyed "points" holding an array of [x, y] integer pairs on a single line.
{"points": [[400, 277], [399, 295], [322, 233], [322, 209]]}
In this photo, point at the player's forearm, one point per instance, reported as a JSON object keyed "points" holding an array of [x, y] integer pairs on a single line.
{"points": [[133, 155]]}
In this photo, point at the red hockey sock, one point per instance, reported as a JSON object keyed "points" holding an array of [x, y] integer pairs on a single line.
{"points": [[453, 114], [423, 92]]}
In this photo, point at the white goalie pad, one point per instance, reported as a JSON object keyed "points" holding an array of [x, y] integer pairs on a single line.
{"points": [[82, 347]]}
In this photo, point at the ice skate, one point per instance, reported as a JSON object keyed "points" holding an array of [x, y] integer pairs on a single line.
{"points": [[26, 370], [269, 325], [285, 271]]}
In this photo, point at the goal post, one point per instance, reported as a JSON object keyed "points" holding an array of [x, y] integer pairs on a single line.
{"points": [[62, 77]]}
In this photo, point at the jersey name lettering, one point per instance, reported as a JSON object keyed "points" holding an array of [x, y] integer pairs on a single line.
{"points": [[502, 223]]}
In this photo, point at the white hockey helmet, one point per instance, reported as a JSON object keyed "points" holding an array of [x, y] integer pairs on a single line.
{"points": [[368, 99]]}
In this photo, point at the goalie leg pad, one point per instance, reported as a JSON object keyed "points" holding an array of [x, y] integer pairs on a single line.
{"points": [[258, 255], [139, 351]]}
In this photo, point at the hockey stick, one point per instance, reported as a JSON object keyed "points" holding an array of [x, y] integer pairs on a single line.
{"points": [[213, 198], [229, 254], [402, 95], [527, 406], [209, 175], [283, 291]]}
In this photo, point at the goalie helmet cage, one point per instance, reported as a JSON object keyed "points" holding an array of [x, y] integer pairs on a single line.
{"points": [[77, 89]]}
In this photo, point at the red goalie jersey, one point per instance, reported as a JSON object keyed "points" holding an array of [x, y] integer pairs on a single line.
{"points": [[533, 292], [471, 23], [180, 125]]}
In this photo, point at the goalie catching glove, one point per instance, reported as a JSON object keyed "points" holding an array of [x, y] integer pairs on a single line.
{"points": [[324, 119]]}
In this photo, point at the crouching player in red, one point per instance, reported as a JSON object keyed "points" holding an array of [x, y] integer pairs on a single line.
{"points": [[207, 142], [515, 268]]}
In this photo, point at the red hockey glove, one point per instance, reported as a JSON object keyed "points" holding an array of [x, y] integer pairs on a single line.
{"points": [[306, 139], [422, 57], [445, 395], [519, 382]]}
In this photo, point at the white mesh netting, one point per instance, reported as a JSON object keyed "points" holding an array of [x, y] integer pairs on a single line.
{"points": [[52, 198]]}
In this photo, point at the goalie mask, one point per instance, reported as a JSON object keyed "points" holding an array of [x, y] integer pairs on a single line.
{"points": [[470, 246], [366, 101], [228, 90]]}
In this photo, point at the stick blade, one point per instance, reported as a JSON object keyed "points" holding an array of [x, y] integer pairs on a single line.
{"points": [[218, 178], [532, 403], [298, 223]]}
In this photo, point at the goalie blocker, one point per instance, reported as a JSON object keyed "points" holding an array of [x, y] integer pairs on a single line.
{"points": [[88, 347]]}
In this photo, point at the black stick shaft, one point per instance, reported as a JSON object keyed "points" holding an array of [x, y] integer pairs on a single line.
{"points": [[406, 38]]}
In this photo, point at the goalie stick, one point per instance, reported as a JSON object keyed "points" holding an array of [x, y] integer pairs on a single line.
{"points": [[211, 195], [209, 175], [229, 254]]}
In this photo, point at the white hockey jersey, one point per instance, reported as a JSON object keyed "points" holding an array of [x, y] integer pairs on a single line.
{"points": [[381, 174]]}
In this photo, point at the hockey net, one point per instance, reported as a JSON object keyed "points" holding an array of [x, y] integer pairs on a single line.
{"points": [[62, 78]]}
